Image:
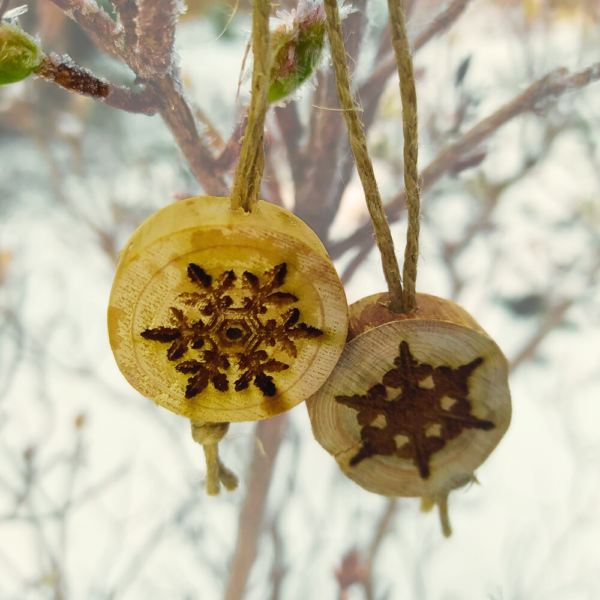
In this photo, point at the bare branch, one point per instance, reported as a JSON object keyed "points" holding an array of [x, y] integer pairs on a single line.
{"points": [[178, 116], [270, 432], [62, 71], [156, 22], [371, 90], [231, 151], [175, 111], [103, 31], [128, 14], [315, 203], [290, 126], [546, 89], [554, 317]]}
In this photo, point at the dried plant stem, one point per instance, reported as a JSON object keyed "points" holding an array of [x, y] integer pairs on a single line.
{"points": [[408, 94], [246, 185], [358, 143]]}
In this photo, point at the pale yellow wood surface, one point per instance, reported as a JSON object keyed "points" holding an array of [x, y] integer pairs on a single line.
{"points": [[153, 282], [432, 341]]}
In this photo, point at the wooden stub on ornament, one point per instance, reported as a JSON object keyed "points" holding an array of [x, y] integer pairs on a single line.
{"points": [[222, 315], [416, 403]]}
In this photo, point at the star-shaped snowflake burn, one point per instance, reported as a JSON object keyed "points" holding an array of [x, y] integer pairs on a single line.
{"points": [[220, 325], [431, 409]]}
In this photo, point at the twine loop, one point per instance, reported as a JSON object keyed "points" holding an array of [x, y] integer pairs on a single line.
{"points": [[402, 299], [208, 435], [248, 176]]}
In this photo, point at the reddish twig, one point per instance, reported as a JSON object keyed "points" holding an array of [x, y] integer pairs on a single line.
{"points": [[156, 24], [315, 202], [62, 71]]}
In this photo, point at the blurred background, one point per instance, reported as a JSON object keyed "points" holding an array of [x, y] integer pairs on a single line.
{"points": [[102, 493]]}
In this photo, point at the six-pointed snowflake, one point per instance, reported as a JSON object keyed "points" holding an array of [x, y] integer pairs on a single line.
{"points": [[431, 408], [222, 323]]}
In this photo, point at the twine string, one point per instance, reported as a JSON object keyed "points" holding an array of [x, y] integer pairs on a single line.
{"points": [[358, 143], [209, 435], [408, 94], [246, 185]]}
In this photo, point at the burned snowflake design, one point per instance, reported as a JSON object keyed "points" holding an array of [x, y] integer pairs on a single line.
{"points": [[430, 409], [221, 324]]}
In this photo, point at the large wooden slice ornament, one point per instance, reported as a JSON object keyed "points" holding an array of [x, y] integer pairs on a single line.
{"points": [[223, 315], [417, 401]]}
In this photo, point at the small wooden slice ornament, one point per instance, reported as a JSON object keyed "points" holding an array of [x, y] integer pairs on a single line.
{"points": [[228, 309], [419, 397], [223, 315], [417, 401]]}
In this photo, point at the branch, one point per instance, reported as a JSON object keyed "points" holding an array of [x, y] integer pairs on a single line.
{"points": [[62, 71], [549, 88], [371, 90], [382, 530], [315, 202], [156, 23], [554, 317], [176, 110], [178, 116], [270, 432], [103, 31], [288, 121]]}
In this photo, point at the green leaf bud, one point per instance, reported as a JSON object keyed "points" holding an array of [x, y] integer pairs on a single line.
{"points": [[20, 54], [297, 46]]}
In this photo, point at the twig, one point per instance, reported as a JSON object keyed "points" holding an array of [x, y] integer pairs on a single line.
{"points": [[387, 66], [128, 15], [548, 88], [178, 116], [176, 111], [156, 23], [62, 71], [270, 432], [290, 126], [316, 196], [103, 31], [381, 531], [371, 90], [364, 165], [231, 151], [355, 263], [553, 318]]}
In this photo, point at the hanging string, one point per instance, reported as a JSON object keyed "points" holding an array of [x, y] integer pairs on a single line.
{"points": [[408, 94], [209, 435], [248, 176], [358, 143]]}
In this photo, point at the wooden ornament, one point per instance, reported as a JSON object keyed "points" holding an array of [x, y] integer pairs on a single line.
{"points": [[417, 401], [223, 315]]}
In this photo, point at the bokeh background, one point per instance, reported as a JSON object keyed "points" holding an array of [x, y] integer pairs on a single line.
{"points": [[101, 492]]}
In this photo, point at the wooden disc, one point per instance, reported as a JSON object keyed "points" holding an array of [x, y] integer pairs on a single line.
{"points": [[222, 315], [415, 404]]}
